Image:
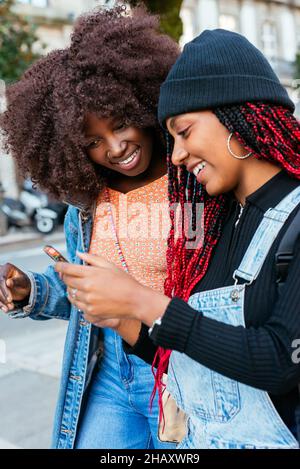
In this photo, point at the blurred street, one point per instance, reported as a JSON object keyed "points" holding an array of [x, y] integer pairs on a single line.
{"points": [[29, 378]]}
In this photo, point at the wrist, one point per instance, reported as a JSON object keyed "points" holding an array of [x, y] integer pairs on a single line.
{"points": [[22, 303], [129, 330], [24, 288], [150, 305]]}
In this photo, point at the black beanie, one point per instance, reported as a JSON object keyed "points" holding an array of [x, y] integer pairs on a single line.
{"points": [[219, 68]]}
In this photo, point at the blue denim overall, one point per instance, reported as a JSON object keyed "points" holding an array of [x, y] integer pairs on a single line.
{"points": [[223, 413]]}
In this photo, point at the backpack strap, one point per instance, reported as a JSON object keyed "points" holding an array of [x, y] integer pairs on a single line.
{"points": [[283, 258], [285, 251]]}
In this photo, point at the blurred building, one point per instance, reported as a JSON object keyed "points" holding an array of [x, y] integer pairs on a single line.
{"points": [[54, 19], [272, 25]]}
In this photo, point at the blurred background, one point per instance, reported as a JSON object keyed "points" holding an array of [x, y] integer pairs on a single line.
{"points": [[31, 352]]}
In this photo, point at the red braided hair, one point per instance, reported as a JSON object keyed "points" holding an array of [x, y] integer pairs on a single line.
{"points": [[272, 133]]}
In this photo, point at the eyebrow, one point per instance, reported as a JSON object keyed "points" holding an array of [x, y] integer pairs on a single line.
{"points": [[92, 136]]}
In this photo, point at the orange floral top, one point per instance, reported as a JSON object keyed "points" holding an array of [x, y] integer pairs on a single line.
{"points": [[141, 221]]}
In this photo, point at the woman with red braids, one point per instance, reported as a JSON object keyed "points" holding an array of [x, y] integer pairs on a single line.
{"points": [[229, 335]]}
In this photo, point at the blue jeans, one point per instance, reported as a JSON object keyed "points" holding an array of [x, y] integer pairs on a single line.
{"points": [[117, 413]]}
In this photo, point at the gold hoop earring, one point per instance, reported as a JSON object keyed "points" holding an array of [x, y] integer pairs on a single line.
{"points": [[233, 154]]}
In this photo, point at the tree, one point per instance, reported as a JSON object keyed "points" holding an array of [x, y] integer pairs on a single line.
{"points": [[169, 11], [17, 37]]}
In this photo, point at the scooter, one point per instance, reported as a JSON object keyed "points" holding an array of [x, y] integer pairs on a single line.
{"points": [[43, 218], [33, 209]]}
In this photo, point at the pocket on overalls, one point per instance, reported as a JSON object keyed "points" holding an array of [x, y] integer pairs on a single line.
{"points": [[220, 402], [202, 392], [226, 396]]}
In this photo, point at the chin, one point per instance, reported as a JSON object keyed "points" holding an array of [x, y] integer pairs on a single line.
{"points": [[215, 188], [211, 190], [140, 171], [214, 192]]}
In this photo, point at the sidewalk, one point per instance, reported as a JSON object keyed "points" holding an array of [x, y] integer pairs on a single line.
{"points": [[22, 239], [31, 365]]}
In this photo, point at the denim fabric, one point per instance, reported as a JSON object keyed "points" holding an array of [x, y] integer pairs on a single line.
{"points": [[224, 413], [117, 414], [81, 352]]}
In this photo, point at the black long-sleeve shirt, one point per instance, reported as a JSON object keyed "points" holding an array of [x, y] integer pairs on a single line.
{"points": [[259, 355]]}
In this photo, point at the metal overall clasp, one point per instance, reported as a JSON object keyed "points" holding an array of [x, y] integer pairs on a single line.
{"points": [[236, 292]]}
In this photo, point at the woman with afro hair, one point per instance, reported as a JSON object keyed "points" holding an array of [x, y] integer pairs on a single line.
{"points": [[230, 334], [82, 124]]}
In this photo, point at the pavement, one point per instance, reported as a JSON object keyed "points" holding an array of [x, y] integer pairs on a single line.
{"points": [[27, 237], [30, 356]]}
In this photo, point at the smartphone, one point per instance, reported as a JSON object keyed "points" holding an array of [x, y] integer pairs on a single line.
{"points": [[55, 255]]}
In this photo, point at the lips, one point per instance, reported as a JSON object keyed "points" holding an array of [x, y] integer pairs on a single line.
{"points": [[127, 159], [129, 162], [197, 168]]}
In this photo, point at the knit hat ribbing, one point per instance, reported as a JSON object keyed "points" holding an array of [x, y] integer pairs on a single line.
{"points": [[219, 68]]}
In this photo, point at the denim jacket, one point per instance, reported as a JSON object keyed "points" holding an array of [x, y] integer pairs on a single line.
{"points": [[82, 347]]}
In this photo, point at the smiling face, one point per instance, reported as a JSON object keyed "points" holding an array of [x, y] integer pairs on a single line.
{"points": [[112, 144], [201, 145]]}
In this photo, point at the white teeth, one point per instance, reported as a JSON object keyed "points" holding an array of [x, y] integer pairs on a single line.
{"points": [[129, 159], [198, 168]]}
